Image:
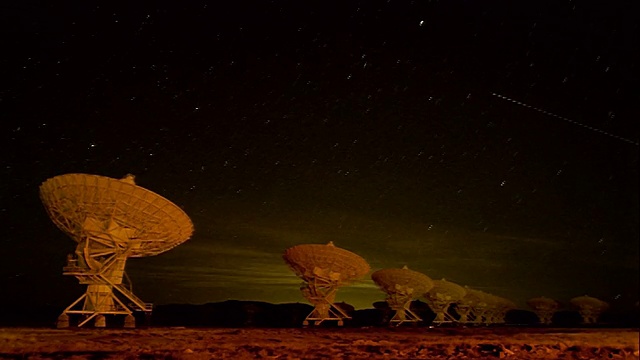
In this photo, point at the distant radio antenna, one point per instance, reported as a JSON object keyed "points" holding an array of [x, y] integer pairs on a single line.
{"points": [[323, 269], [478, 307], [589, 308], [565, 119], [544, 308], [473, 306], [111, 220], [441, 296], [402, 286]]}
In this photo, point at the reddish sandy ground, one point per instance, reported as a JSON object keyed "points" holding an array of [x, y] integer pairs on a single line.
{"points": [[320, 343]]}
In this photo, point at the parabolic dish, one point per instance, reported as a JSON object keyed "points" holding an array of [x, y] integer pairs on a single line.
{"points": [[503, 302], [543, 303], [147, 221], [307, 259], [473, 297], [590, 302], [445, 290], [388, 279]]}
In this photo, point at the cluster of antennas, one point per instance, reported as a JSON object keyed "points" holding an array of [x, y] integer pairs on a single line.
{"points": [[588, 307], [450, 302], [454, 303], [325, 268], [112, 220]]}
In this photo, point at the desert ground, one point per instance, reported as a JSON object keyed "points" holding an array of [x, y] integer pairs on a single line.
{"points": [[319, 343]]}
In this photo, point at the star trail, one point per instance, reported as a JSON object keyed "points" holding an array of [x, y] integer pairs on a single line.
{"points": [[494, 145]]}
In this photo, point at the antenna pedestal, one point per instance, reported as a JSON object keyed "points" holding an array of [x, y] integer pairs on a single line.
{"points": [[404, 315], [100, 298], [464, 310], [479, 313], [401, 304], [322, 294], [442, 315]]}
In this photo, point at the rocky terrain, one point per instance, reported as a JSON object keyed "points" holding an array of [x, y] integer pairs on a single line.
{"points": [[319, 343]]}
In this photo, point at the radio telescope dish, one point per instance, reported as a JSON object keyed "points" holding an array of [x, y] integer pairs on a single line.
{"points": [[402, 286], [110, 220], [471, 306], [498, 309], [544, 308], [441, 296], [589, 308], [323, 269]]}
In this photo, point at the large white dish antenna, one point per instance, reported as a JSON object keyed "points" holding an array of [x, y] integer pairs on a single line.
{"points": [[110, 220], [137, 219]]}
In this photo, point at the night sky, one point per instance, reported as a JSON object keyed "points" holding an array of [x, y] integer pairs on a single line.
{"points": [[492, 145]]}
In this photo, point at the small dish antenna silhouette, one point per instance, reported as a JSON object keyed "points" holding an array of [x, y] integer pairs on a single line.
{"points": [[479, 307], [323, 269], [589, 308], [441, 296], [111, 220], [402, 286], [497, 310], [544, 308]]}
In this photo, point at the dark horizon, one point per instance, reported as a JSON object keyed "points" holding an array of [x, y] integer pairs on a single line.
{"points": [[261, 314], [493, 145]]}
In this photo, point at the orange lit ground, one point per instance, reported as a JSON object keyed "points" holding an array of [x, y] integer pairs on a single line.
{"points": [[325, 343]]}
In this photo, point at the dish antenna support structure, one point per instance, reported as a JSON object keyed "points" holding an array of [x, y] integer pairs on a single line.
{"points": [[498, 309], [544, 308], [324, 269], [111, 220], [480, 306], [468, 307], [441, 296], [402, 286], [589, 308]]}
